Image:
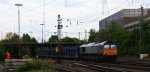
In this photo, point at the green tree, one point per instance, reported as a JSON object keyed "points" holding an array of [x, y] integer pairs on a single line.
{"points": [[2, 51], [133, 42], [12, 37], [102, 35], [9, 35], [33, 40], [119, 36], [53, 38], [68, 39], [93, 36], [146, 36], [26, 38]]}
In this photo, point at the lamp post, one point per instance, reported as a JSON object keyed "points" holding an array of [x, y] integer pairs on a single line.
{"points": [[42, 31], [18, 17], [19, 22]]}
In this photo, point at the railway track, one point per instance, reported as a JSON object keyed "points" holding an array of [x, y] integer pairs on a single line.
{"points": [[63, 69], [98, 68], [58, 69], [136, 63], [125, 66], [113, 67]]}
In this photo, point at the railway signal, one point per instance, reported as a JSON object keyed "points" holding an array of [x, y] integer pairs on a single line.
{"points": [[58, 48]]}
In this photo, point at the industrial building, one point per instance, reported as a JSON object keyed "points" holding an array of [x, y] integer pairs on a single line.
{"points": [[126, 18]]}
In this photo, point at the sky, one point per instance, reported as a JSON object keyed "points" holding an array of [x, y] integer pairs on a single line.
{"points": [[78, 15]]}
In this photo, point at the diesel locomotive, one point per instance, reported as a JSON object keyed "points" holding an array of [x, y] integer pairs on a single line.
{"points": [[104, 51]]}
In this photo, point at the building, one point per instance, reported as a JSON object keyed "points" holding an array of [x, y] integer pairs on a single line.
{"points": [[126, 18]]}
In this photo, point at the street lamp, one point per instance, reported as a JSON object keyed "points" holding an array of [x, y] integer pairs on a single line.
{"points": [[42, 31], [18, 17], [19, 23]]}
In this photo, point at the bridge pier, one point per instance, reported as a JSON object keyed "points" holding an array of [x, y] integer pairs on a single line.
{"points": [[31, 52]]}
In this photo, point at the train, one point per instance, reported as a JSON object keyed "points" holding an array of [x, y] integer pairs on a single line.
{"points": [[97, 52]]}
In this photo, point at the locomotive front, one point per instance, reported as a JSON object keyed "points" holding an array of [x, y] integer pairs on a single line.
{"points": [[110, 51]]}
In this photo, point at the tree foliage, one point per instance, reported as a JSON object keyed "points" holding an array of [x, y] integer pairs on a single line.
{"points": [[68, 39], [27, 38], [119, 36], [93, 35], [34, 40], [54, 38], [12, 37]]}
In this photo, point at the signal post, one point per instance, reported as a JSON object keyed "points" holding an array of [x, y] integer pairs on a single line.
{"points": [[59, 46]]}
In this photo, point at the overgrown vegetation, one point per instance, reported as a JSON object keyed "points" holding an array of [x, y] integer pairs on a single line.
{"points": [[128, 41], [54, 38], [35, 66]]}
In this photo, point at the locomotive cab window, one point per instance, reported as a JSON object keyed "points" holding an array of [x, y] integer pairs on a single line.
{"points": [[113, 47], [83, 49], [106, 46]]}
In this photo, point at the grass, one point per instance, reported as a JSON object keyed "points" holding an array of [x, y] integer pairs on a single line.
{"points": [[2, 62], [35, 66]]}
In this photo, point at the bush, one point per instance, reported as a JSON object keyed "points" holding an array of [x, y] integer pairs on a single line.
{"points": [[34, 66]]}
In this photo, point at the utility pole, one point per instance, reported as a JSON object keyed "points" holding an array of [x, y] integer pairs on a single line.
{"points": [[66, 34], [141, 30], [18, 17], [79, 35], [43, 21], [14, 28], [86, 35], [31, 33], [42, 31], [66, 3], [19, 22], [59, 47], [1, 35], [44, 13]]}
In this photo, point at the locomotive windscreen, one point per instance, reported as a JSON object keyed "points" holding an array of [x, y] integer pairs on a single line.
{"points": [[110, 47]]}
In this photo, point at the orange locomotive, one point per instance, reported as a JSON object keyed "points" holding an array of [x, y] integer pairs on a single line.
{"points": [[103, 51]]}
